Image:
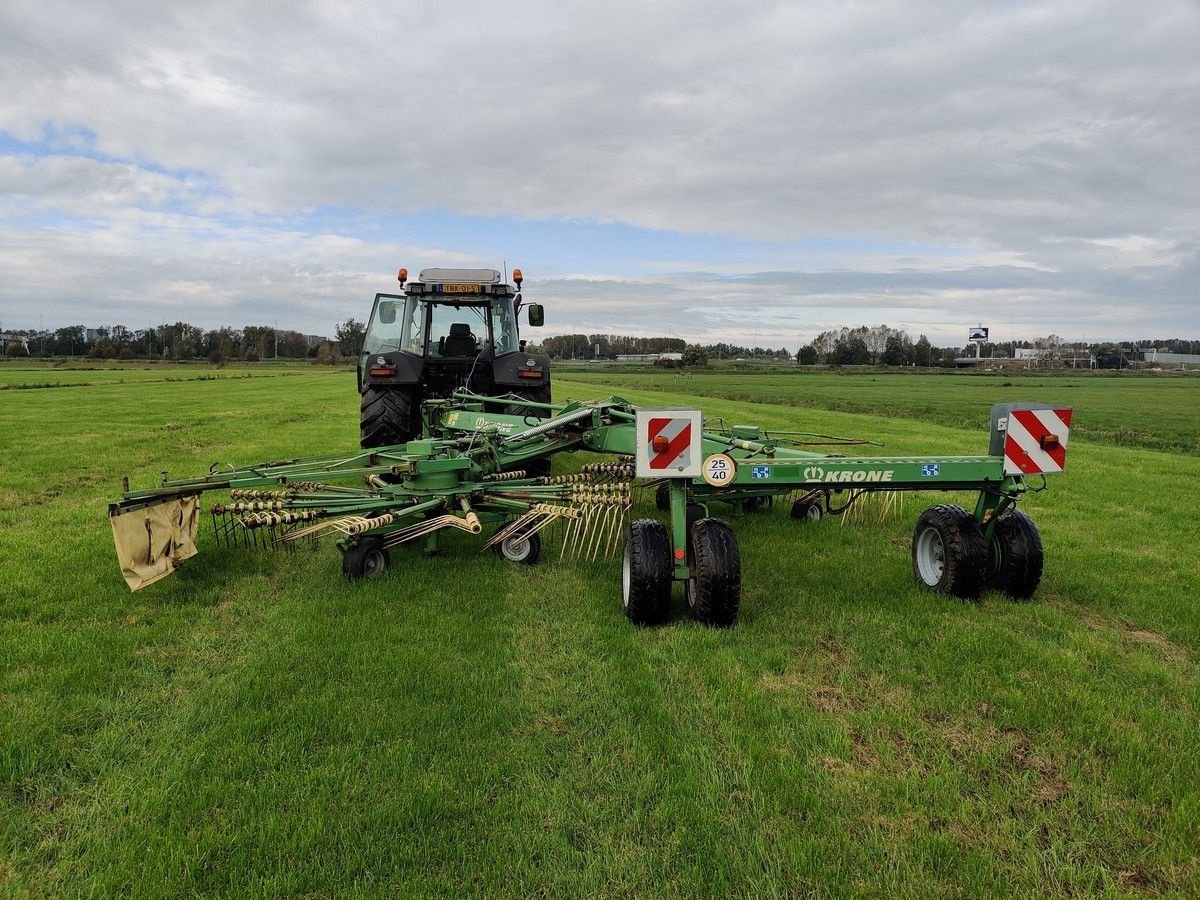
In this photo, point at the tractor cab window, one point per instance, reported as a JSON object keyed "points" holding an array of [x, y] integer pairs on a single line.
{"points": [[504, 326], [398, 323], [457, 330]]}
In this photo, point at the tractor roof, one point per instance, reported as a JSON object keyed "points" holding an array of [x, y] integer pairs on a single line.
{"points": [[460, 276]]}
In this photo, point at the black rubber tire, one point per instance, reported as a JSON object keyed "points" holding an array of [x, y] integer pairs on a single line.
{"points": [[534, 468], [539, 394], [646, 572], [808, 509], [949, 553], [758, 504], [366, 559], [388, 416], [714, 592], [1016, 558], [522, 551]]}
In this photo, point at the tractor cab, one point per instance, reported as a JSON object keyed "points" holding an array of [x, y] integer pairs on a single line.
{"points": [[449, 329]]}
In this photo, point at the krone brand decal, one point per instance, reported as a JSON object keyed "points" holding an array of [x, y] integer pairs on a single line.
{"points": [[817, 473]]}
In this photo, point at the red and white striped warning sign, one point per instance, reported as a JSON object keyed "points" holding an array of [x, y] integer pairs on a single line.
{"points": [[669, 443], [1035, 441]]}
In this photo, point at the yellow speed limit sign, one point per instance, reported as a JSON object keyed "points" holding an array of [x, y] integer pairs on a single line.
{"points": [[719, 470]]}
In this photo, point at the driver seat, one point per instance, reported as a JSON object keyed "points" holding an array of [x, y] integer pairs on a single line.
{"points": [[460, 341]]}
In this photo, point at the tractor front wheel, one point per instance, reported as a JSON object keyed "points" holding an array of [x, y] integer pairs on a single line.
{"points": [[949, 553], [714, 590], [1016, 555], [646, 572], [367, 559]]}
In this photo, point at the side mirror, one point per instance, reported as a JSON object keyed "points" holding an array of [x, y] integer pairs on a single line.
{"points": [[387, 312], [537, 316]]}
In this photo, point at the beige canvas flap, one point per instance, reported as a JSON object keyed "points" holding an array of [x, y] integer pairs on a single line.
{"points": [[152, 541]]}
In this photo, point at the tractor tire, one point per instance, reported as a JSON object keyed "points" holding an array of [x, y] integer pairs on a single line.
{"points": [[949, 553], [1016, 559], [521, 549], [389, 416], [646, 573], [714, 592], [367, 559], [535, 468]]}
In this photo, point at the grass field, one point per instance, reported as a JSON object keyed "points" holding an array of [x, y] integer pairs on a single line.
{"points": [[256, 725], [1112, 409]]}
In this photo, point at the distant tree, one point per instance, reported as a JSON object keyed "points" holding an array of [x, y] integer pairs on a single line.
{"points": [[1110, 356], [293, 345], [898, 351], [807, 355], [695, 356], [850, 350], [15, 348], [923, 352], [350, 335]]}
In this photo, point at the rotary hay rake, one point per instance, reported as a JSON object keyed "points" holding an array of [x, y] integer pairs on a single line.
{"points": [[469, 474]]}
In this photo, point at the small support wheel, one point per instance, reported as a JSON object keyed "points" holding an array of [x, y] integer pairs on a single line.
{"points": [[523, 549], [808, 509], [646, 573], [366, 559], [714, 590], [1016, 559], [949, 553], [758, 504]]}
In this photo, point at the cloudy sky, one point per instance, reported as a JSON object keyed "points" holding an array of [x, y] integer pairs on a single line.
{"points": [[742, 171]]}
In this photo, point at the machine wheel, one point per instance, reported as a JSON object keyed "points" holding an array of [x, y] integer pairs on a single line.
{"points": [[808, 509], [388, 416], [949, 553], [367, 559], [646, 572], [1015, 562], [714, 591], [523, 549]]}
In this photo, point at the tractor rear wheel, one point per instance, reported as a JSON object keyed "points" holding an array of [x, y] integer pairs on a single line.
{"points": [[1015, 563], [714, 591], [367, 559], [541, 394], [646, 572], [949, 553], [388, 416]]}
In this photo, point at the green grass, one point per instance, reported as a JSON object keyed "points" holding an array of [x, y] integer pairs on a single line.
{"points": [[256, 725], [1114, 409]]}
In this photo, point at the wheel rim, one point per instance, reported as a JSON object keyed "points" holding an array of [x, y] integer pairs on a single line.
{"points": [[813, 513], [373, 563], [931, 556], [515, 549], [625, 576]]}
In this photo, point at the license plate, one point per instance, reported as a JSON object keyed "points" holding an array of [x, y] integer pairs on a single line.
{"points": [[460, 289]]}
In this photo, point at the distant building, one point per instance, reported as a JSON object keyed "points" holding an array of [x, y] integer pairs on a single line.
{"points": [[1165, 358], [315, 340], [648, 357]]}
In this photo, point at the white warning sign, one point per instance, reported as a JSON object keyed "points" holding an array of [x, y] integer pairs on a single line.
{"points": [[669, 443]]}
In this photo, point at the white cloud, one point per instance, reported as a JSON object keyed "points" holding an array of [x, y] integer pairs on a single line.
{"points": [[1055, 137]]}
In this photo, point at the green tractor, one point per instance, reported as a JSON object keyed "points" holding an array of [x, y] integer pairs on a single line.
{"points": [[451, 330]]}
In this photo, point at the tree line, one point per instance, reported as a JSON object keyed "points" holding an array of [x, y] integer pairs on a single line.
{"points": [[184, 341]]}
